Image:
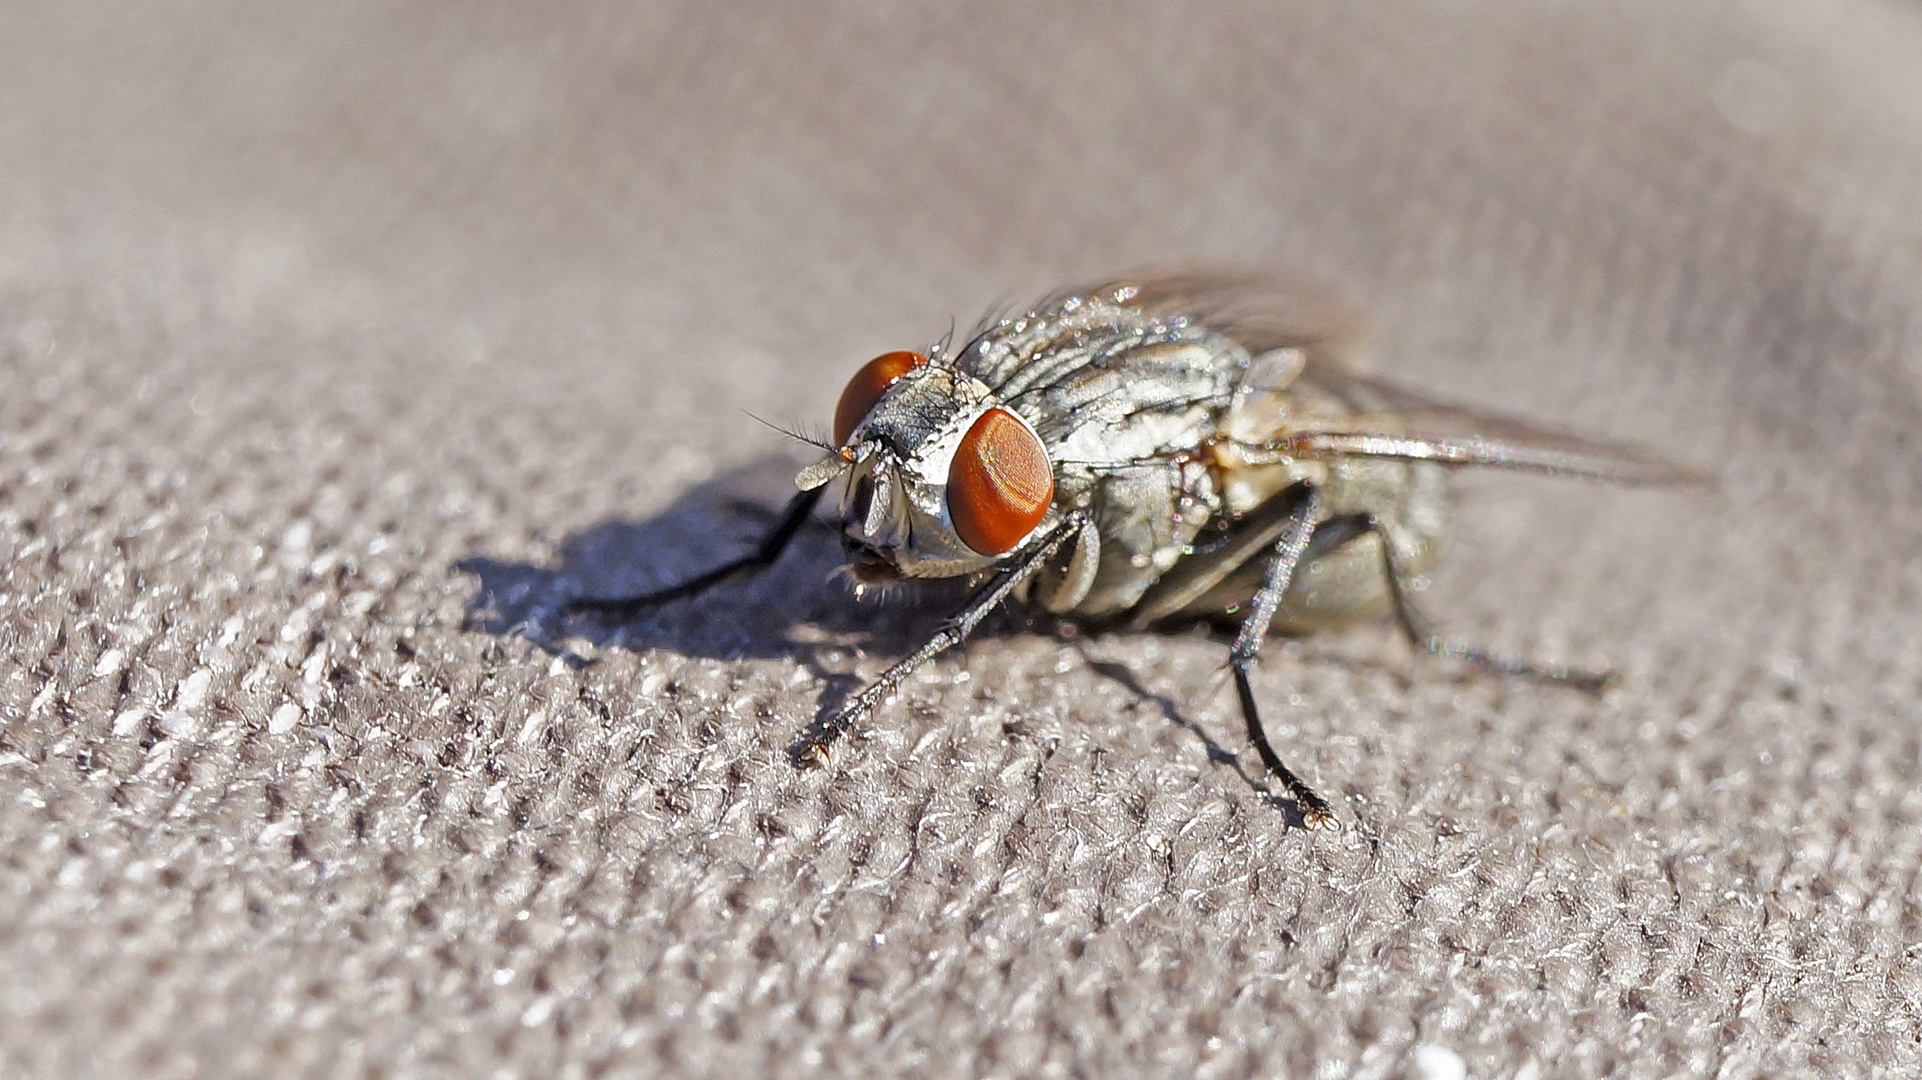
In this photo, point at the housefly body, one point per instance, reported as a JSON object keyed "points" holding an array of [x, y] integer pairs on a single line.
{"points": [[1152, 450]]}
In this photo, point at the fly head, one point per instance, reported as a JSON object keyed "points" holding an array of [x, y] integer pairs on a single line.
{"points": [[931, 475]]}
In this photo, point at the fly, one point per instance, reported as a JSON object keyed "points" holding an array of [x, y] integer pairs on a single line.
{"points": [[1154, 450]]}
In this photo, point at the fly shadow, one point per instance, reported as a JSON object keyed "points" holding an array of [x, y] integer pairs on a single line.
{"points": [[796, 609]]}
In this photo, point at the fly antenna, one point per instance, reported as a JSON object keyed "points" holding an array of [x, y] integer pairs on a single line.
{"points": [[797, 436]]}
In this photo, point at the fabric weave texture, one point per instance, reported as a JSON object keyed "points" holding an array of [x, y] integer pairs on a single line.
{"points": [[339, 342]]}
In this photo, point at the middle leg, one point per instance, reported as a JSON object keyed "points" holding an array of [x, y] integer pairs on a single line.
{"points": [[1289, 550]]}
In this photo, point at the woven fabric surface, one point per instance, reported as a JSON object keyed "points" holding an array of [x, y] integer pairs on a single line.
{"points": [[339, 341]]}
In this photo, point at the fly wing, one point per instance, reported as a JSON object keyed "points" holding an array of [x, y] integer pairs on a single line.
{"points": [[1262, 310], [1398, 423], [1300, 334]]}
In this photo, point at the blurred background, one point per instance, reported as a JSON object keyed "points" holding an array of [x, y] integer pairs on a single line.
{"points": [[304, 306]]}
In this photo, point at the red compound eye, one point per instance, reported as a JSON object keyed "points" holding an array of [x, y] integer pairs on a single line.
{"points": [[1000, 483], [866, 388]]}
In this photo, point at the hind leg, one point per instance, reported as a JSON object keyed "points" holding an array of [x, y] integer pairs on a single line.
{"points": [[1421, 632]]}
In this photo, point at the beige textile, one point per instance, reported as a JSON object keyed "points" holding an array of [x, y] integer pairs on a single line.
{"points": [[338, 340]]}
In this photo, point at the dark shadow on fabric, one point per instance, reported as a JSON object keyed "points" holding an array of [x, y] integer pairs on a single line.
{"points": [[792, 610]]}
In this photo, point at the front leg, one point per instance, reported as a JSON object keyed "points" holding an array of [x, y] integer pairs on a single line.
{"points": [[813, 745]]}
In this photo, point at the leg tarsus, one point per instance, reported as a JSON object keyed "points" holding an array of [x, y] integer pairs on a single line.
{"points": [[1315, 811]]}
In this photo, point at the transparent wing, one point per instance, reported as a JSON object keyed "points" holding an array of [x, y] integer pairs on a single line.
{"points": [[1263, 310], [1394, 422], [1315, 406]]}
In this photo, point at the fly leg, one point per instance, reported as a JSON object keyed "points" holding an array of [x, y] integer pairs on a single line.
{"points": [[813, 745], [762, 557], [1289, 550], [1422, 634]]}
